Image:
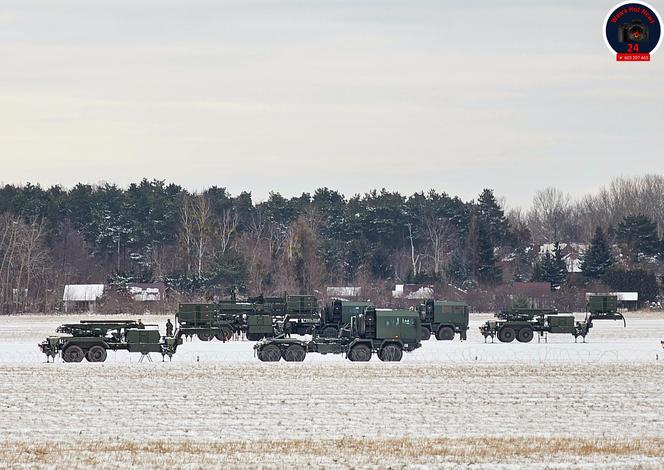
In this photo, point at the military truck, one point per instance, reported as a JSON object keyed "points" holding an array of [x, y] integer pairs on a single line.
{"points": [[604, 307], [444, 318], [387, 333], [522, 324], [337, 314], [92, 339]]}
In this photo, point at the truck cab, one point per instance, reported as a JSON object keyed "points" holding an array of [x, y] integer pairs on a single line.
{"points": [[444, 319]]}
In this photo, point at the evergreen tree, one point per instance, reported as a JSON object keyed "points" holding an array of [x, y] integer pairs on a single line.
{"points": [[638, 234], [456, 270], [598, 259], [492, 215], [488, 270], [558, 268]]}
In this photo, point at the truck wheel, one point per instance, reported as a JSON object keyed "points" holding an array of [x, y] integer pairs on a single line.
{"points": [[224, 334], [294, 353], [96, 354], [301, 330], [205, 336], [506, 334], [426, 334], [73, 353], [360, 353], [445, 334], [269, 353], [329, 332], [390, 353], [525, 335]]}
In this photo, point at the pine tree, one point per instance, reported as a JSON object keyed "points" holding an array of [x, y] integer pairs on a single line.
{"points": [[638, 234], [492, 215], [488, 270], [598, 259], [558, 274], [456, 270]]}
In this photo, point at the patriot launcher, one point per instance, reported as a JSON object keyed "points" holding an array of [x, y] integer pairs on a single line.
{"points": [[522, 324], [91, 339]]}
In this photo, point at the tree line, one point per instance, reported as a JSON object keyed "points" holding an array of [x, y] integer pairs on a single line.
{"points": [[154, 231]]}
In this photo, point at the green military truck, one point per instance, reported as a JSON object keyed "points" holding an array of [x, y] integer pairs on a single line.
{"points": [[522, 324], [444, 318], [92, 339], [387, 333], [337, 314]]}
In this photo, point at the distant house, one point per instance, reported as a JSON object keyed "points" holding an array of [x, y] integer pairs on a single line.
{"points": [[412, 291], [344, 292], [572, 254], [77, 297], [147, 292]]}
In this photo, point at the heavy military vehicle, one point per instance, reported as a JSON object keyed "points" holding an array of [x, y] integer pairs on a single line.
{"points": [[337, 314], [444, 318], [302, 315], [522, 324], [91, 339], [258, 317], [387, 333], [604, 307]]}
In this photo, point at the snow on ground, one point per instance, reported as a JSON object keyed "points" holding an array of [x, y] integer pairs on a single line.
{"points": [[449, 404]]}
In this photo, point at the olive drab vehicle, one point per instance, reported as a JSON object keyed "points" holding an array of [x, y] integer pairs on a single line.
{"points": [[604, 307], [522, 324], [337, 314], [257, 317], [386, 333], [444, 319], [92, 339]]}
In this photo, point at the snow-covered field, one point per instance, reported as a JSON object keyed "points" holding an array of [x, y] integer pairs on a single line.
{"points": [[449, 404]]}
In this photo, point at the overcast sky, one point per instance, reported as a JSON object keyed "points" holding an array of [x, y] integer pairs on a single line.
{"points": [[352, 95]]}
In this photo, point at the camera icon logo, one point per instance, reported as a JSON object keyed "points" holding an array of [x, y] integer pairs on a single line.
{"points": [[632, 30]]}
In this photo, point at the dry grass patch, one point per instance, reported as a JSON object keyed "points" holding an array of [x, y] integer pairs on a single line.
{"points": [[325, 453]]}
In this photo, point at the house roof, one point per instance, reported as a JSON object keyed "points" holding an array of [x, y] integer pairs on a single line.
{"points": [[82, 292]]}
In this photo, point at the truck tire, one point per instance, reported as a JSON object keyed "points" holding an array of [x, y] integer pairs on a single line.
{"points": [[204, 336], [294, 353], [426, 334], [445, 334], [390, 353], [270, 353], [506, 334], [525, 335], [73, 353], [96, 354], [301, 330], [360, 353], [224, 334], [330, 332]]}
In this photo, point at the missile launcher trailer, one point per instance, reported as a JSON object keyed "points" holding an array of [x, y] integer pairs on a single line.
{"points": [[522, 324], [387, 333], [444, 318], [259, 317], [337, 314], [92, 339]]}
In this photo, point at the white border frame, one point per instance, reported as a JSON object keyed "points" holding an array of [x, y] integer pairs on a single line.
{"points": [[608, 16]]}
